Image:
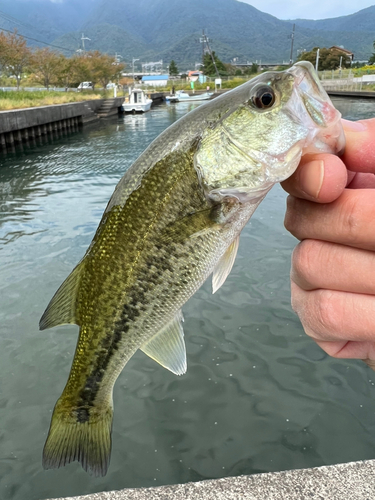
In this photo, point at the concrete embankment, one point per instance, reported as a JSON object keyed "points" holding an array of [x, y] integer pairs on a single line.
{"points": [[351, 93], [25, 126], [351, 481], [157, 97]]}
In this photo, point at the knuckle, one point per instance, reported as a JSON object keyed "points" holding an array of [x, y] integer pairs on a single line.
{"points": [[295, 303], [351, 219], [298, 299], [290, 221], [305, 262], [327, 314]]}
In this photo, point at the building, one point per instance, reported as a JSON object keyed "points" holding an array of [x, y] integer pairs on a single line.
{"points": [[155, 80], [196, 75], [345, 52]]}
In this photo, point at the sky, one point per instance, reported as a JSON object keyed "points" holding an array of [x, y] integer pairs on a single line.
{"points": [[304, 9], [309, 9]]}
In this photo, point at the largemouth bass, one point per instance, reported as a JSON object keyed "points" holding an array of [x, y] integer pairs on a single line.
{"points": [[174, 219]]}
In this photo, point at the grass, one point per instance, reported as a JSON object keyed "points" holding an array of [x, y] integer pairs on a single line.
{"points": [[26, 99], [227, 83]]}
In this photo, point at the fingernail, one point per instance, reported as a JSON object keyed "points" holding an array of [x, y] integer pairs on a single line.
{"points": [[353, 126], [311, 177]]}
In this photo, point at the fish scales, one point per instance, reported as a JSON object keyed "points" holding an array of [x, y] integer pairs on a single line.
{"points": [[151, 274], [174, 218], [149, 280]]}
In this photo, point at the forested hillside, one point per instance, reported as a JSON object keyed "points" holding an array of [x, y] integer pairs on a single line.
{"points": [[164, 29]]}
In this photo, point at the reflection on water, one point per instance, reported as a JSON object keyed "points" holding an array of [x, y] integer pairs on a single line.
{"points": [[136, 122], [258, 396], [354, 108]]}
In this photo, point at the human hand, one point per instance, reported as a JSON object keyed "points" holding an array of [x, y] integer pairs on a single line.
{"points": [[332, 211]]}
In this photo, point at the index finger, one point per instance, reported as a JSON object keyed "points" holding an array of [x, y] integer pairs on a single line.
{"points": [[323, 177], [359, 155]]}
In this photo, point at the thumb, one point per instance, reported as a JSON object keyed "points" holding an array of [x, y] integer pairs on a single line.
{"points": [[320, 178]]}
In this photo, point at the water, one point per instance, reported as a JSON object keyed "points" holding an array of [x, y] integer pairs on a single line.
{"points": [[259, 395]]}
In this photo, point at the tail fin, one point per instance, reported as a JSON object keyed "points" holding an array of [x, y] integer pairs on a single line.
{"points": [[81, 434]]}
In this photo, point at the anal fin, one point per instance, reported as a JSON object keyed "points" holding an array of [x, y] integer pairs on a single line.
{"points": [[167, 347], [61, 309], [225, 264]]}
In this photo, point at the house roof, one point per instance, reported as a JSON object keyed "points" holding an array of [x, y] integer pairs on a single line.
{"points": [[342, 50], [155, 77]]}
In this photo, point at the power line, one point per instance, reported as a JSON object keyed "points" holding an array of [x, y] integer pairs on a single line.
{"points": [[11, 19], [40, 41]]}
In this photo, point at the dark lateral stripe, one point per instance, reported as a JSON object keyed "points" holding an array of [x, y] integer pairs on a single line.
{"points": [[109, 347]]}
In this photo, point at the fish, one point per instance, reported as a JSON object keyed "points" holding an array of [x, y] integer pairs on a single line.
{"points": [[174, 219]]}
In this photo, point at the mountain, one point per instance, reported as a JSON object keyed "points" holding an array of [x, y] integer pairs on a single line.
{"points": [[362, 21], [170, 29], [173, 29], [44, 19], [113, 39]]}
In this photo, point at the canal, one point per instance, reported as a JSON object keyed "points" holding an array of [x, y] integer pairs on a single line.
{"points": [[258, 396]]}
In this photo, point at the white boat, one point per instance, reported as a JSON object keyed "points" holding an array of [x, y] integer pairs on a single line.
{"points": [[195, 97], [174, 97], [182, 96], [136, 102]]}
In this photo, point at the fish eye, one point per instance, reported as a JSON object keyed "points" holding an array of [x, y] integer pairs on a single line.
{"points": [[263, 98]]}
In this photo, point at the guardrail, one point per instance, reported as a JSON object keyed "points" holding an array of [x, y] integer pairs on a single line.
{"points": [[361, 84], [35, 89]]}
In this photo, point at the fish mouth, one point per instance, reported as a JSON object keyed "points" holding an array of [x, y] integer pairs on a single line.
{"points": [[315, 110]]}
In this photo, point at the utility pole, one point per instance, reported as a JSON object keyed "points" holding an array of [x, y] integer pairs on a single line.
{"points": [[291, 48], [83, 38], [133, 67], [204, 40], [317, 60]]}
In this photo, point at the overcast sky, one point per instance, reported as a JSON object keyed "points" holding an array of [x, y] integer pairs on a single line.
{"points": [[309, 9]]}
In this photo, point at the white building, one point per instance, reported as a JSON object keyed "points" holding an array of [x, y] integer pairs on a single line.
{"points": [[155, 80]]}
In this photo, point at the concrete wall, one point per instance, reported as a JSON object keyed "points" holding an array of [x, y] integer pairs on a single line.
{"points": [[351, 481], [20, 126]]}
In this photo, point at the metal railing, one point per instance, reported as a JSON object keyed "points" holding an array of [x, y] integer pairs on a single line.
{"points": [[348, 80], [35, 89]]}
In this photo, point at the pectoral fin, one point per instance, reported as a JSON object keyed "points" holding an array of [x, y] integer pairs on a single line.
{"points": [[167, 347], [192, 226], [224, 266], [62, 307]]}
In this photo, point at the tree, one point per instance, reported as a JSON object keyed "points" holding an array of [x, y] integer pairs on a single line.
{"points": [[67, 72], [46, 65], [372, 57], [15, 56], [328, 58], [100, 68], [93, 67], [231, 70], [173, 70], [254, 68], [208, 65], [81, 69]]}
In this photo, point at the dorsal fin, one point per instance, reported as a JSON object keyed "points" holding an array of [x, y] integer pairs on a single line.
{"points": [[61, 309], [167, 347], [225, 264]]}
